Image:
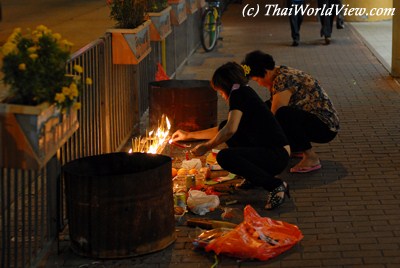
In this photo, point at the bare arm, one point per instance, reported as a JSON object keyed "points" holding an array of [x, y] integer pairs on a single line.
{"points": [[223, 135], [205, 134], [280, 99]]}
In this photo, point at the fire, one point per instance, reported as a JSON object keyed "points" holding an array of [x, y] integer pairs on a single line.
{"points": [[155, 140]]}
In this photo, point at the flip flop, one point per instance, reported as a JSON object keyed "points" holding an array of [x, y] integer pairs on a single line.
{"points": [[305, 169]]}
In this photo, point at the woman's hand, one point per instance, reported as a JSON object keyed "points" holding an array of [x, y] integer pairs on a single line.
{"points": [[179, 135], [200, 149]]}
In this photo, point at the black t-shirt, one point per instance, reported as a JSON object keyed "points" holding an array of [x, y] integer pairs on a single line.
{"points": [[258, 126]]}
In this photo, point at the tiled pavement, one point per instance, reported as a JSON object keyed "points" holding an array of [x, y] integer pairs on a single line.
{"points": [[377, 35], [349, 212]]}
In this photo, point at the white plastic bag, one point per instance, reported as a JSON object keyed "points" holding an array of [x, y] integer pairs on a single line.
{"points": [[192, 163], [200, 203]]}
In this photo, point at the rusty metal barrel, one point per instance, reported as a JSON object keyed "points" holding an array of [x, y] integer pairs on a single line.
{"points": [[189, 104], [119, 205]]}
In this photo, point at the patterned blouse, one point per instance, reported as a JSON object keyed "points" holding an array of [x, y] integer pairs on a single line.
{"points": [[307, 95]]}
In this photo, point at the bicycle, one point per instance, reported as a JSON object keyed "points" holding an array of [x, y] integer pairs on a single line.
{"points": [[210, 25]]}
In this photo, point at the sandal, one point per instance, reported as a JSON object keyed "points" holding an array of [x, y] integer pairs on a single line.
{"points": [[274, 200], [297, 169]]}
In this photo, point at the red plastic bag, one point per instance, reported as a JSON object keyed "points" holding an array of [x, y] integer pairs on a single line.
{"points": [[161, 74], [256, 238]]}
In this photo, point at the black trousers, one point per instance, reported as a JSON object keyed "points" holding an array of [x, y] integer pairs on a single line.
{"points": [[295, 20], [340, 16], [302, 128], [259, 165], [326, 20]]}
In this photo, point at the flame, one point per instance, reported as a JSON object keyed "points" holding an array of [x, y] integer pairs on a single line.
{"points": [[155, 140]]}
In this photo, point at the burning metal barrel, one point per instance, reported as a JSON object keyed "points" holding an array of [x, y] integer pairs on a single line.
{"points": [[119, 204], [189, 104]]}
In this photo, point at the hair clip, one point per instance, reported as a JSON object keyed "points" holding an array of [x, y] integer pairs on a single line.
{"points": [[246, 69]]}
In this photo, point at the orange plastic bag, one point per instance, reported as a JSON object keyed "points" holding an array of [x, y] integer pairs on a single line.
{"points": [[161, 74], [256, 238]]}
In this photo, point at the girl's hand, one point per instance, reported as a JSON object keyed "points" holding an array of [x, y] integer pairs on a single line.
{"points": [[179, 135], [200, 150]]}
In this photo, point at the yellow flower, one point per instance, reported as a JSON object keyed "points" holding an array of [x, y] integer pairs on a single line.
{"points": [[60, 97], [9, 48], [42, 28], [73, 86], [22, 67], [73, 91], [57, 36], [89, 81], [66, 91], [32, 50], [76, 106], [33, 56], [17, 30], [38, 36], [17, 65], [15, 34], [78, 68], [66, 43]]}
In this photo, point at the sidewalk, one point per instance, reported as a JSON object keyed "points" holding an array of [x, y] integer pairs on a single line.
{"points": [[377, 36], [348, 212]]}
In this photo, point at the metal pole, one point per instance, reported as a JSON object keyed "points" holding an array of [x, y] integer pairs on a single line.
{"points": [[396, 40]]}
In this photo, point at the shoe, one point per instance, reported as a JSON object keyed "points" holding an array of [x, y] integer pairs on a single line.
{"points": [[305, 169], [274, 200], [339, 26], [245, 185], [327, 40], [295, 43]]}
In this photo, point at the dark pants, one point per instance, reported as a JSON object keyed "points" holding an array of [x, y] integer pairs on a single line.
{"points": [[326, 20], [340, 16], [302, 128], [295, 20], [259, 165]]}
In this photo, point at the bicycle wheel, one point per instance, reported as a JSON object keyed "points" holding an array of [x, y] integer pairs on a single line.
{"points": [[209, 29]]}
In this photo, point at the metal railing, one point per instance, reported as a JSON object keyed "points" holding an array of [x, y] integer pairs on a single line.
{"points": [[32, 201]]}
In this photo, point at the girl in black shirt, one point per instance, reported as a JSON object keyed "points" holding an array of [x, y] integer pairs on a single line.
{"points": [[257, 146]]}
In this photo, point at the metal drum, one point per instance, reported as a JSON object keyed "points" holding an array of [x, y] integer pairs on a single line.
{"points": [[119, 204], [189, 104]]}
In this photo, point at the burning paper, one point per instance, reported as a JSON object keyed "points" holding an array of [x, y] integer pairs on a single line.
{"points": [[155, 140]]}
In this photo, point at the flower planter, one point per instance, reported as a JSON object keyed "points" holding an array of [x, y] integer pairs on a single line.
{"points": [[160, 26], [178, 11], [191, 6], [130, 46], [31, 135]]}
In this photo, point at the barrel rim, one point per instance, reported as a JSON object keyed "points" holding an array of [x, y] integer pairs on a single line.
{"points": [[69, 168], [181, 84]]}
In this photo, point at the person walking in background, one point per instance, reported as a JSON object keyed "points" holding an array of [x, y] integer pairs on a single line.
{"points": [[296, 20], [300, 105], [258, 149], [339, 16], [327, 19]]}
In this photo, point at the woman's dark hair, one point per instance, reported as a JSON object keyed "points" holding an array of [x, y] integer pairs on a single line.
{"points": [[227, 75], [258, 62]]}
